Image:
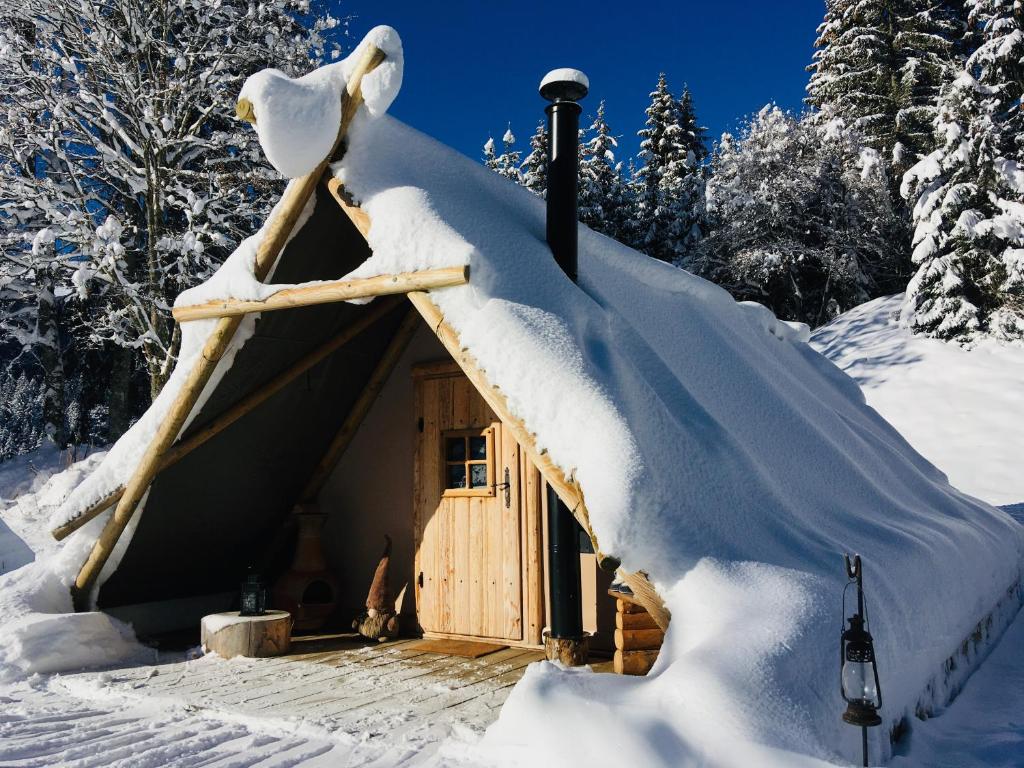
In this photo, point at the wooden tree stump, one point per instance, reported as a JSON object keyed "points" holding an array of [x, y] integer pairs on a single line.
{"points": [[230, 634], [572, 652]]}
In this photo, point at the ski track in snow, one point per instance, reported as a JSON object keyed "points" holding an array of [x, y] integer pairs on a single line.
{"points": [[40, 727], [44, 723]]}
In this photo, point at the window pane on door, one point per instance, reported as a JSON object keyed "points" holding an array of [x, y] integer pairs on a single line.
{"points": [[456, 449], [456, 476], [477, 475], [478, 448]]}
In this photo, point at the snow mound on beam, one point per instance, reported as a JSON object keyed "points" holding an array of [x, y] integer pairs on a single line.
{"points": [[717, 451], [961, 408], [297, 119]]}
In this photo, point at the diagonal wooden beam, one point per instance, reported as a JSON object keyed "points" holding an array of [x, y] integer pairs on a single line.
{"points": [[274, 238], [247, 404], [362, 406], [328, 292]]}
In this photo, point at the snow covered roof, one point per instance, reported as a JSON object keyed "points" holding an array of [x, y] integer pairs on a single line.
{"points": [[716, 450]]}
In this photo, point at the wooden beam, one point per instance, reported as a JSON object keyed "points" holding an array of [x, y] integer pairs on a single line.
{"points": [[274, 238], [248, 403], [638, 639], [642, 620], [328, 292], [633, 662], [361, 407], [356, 215], [566, 486], [645, 594], [359, 218]]}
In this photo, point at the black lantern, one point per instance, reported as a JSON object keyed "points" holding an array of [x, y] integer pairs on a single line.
{"points": [[253, 596], [860, 676], [861, 689]]}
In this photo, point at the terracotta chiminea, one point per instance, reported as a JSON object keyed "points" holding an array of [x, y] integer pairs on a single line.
{"points": [[307, 590]]}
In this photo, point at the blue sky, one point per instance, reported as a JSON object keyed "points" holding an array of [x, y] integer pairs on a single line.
{"points": [[472, 67]]}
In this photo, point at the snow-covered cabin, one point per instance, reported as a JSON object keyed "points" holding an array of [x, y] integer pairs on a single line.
{"points": [[700, 440]]}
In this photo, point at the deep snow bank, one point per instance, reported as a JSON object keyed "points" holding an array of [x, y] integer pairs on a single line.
{"points": [[963, 409], [38, 630]]}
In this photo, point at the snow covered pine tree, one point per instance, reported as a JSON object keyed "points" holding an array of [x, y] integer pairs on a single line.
{"points": [[534, 169], [603, 198], [669, 185], [117, 141], [968, 195], [507, 163], [879, 66]]}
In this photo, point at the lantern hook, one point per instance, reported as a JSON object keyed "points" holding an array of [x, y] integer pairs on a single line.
{"points": [[852, 566]]}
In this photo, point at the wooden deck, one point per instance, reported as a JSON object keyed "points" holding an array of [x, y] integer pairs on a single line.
{"points": [[338, 682]]}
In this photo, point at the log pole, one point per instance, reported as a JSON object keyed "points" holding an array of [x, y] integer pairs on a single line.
{"points": [[328, 292], [633, 662], [274, 238]]}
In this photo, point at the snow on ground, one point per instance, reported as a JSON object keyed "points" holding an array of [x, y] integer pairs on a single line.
{"points": [[30, 486], [962, 409], [39, 631]]}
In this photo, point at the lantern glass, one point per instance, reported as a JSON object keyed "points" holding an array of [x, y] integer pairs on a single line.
{"points": [[253, 600], [859, 683]]}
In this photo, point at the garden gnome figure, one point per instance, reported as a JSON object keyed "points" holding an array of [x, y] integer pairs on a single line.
{"points": [[380, 620]]}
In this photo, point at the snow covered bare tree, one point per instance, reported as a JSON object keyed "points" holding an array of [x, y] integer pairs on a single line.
{"points": [[117, 141], [800, 218], [968, 195]]}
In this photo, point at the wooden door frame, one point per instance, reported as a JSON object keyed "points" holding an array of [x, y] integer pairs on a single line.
{"points": [[530, 489]]}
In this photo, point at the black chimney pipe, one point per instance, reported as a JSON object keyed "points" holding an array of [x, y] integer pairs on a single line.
{"points": [[563, 87], [565, 639]]}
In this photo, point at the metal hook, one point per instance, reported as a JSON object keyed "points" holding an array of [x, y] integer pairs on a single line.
{"points": [[852, 567]]}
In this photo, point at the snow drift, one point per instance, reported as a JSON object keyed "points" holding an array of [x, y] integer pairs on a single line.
{"points": [[717, 451]]}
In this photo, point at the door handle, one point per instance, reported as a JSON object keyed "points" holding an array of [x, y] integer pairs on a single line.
{"points": [[507, 486]]}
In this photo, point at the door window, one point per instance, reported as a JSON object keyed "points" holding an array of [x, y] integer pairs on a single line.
{"points": [[468, 462]]}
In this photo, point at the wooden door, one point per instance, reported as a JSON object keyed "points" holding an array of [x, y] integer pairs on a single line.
{"points": [[469, 548]]}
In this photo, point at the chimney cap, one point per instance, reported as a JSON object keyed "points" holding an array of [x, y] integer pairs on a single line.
{"points": [[564, 84]]}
